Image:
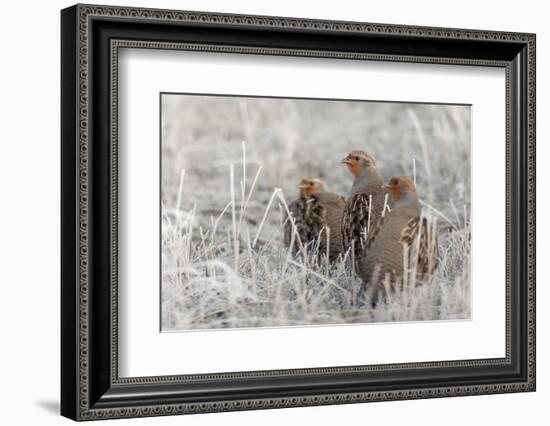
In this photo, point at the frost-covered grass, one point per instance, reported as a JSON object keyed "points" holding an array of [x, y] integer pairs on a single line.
{"points": [[223, 261]]}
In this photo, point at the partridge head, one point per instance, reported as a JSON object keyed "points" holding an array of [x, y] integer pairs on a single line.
{"points": [[358, 162], [402, 192], [310, 186]]}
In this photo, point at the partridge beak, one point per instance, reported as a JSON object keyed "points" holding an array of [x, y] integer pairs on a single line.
{"points": [[345, 161], [301, 186]]}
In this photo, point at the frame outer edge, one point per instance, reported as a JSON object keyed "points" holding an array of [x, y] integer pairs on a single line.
{"points": [[81, 318], [531, 200], [83, 197], [68, 181]]}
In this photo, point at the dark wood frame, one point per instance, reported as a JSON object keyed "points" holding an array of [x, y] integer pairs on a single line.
{"points": [[90, 38]]}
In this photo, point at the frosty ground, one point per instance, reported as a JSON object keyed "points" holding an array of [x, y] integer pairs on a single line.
{"points": [[224, 201]]}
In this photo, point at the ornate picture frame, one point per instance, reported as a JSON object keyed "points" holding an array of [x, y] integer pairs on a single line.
{"points": [[91, 37]]}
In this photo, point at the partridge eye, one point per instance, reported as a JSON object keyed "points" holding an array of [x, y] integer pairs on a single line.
{"points": [[356, 158]]}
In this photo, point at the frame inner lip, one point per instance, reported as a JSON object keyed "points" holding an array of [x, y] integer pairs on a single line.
{"points": [[506, 361]]}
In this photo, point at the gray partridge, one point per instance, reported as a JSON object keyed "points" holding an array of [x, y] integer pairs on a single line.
{"points": [[365, 203], [403, 238], [316, 213]]}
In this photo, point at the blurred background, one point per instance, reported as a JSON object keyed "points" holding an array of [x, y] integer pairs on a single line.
{"points": [[296, 138]]}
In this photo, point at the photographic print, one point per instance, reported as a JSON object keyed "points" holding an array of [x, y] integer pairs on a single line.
{"points": [[297, 212]]}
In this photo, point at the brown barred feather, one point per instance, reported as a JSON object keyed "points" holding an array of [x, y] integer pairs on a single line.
{"points": [[356, 225], [428, 251], [398, 231], [314, 217]]}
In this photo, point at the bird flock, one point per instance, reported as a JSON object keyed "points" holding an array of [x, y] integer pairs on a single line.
{"points": [[380, 227]]}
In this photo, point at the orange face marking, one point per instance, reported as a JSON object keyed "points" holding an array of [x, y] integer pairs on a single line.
{"points": [[409, 184], [397, 184], [308, 187], [310, 190], [395, 191], [354, 167], [353, 162]]}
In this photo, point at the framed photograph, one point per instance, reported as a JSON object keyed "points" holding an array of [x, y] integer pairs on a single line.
{"points": [[263, 212]]}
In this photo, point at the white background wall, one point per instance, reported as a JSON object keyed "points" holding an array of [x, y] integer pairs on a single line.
{"points": [[29, 212]]}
